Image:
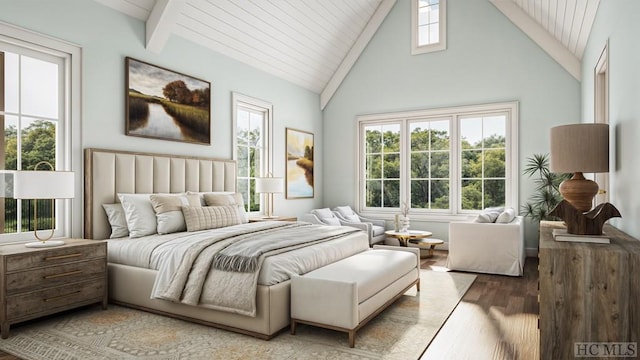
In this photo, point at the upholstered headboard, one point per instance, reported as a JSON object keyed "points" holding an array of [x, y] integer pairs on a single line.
{"points": [[109, 172]]}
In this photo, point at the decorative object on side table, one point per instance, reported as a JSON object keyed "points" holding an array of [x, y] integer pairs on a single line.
{"points": [[269, 185], [402, 220], [34, 185], [580, 148]]}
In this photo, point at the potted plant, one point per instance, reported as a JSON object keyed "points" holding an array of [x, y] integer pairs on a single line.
{"points": [[547, 193]]}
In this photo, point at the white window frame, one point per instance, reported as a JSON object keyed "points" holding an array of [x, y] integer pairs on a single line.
{"points": [[455, 114], [69, 157], [243, 101], [416, 49]]}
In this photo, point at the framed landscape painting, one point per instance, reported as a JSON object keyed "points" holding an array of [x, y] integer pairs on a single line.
{"points": [[164, 104], [299, 179]]}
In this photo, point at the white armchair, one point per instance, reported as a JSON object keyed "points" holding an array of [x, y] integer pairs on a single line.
{"points": [[322, 216], [487, 247], [374, 227]]}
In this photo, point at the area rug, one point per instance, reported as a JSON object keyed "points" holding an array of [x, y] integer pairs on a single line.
{"points": [[402, 331]]}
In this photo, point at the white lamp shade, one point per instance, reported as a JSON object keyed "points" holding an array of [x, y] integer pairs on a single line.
{"points": [[43, 185], [580, 148], [269, 185]]}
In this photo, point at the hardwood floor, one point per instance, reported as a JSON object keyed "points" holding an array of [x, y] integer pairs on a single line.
{"points": [[496, 319]]}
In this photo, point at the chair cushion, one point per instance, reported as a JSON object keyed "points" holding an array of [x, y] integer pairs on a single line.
{"points": [[506, 216], [378, 230], [326, 216]]}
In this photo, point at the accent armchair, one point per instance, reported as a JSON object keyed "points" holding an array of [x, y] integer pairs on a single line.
{"points": [[487, 247], [374, 227]]}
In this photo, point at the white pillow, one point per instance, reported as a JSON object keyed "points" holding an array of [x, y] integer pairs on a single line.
{"points": [[506, 216], [348, 213], [117, 220], [488, 215], [141, 218], [221, 199], [326, 216], [168, 213]]}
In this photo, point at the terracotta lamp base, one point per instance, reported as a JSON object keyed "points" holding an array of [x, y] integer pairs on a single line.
{"points": [[584, 223]]}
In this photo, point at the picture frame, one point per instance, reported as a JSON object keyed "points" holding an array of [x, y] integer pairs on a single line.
{"points": [[165, 104], [299, 164]]}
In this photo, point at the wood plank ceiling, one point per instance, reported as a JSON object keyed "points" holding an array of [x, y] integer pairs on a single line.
{"points": [[314, 43]]}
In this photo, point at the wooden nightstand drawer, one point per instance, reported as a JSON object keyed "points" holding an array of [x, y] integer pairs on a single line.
{"points": [[54, 275], [55, 256], [57, 299]]}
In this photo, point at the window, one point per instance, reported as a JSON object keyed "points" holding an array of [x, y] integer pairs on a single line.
{"points": [[442, 162], [35, 117], [253, 148], [428, 26]]}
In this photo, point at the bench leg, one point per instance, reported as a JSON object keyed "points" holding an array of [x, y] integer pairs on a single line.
{"points": [[352, 338], [418, 285], [293, 327]]}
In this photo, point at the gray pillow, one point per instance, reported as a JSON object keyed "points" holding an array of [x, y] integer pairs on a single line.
{"points": [[117, 220], [211, 217], [168, 213]]}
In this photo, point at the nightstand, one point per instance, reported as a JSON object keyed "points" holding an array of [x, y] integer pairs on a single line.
{"points": [[279, 218], [42, 281]]}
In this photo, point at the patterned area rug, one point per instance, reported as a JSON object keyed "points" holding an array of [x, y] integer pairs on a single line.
{"points": [[402, 331]]}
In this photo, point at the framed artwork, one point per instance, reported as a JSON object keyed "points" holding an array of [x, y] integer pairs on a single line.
{"points": [[299, 179], [167, 105]]}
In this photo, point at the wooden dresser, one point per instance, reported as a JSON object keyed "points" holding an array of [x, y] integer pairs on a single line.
{"points": [[43, 281], [588, 292]]}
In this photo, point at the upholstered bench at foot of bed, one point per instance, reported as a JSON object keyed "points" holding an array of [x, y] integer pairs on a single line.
{"points": [[346, 294]]}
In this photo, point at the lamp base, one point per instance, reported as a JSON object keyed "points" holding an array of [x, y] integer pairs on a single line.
{"points": [[44, 244], [584, 223], [579, 191]]}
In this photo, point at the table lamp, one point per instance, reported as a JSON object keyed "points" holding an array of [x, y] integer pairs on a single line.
{"points": [[34, 185], [578, 149], [269, 185]]}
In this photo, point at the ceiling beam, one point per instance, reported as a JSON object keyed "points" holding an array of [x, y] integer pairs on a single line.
{"points": [[540, 36], [160, 24], [354, 53]]}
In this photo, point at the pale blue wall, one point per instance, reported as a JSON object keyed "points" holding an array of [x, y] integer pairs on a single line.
{"points": [[617, 22], [107, 36], [487, 60]]}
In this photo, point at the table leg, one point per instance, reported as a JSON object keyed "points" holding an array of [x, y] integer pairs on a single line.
{"points": [[431, 250]]}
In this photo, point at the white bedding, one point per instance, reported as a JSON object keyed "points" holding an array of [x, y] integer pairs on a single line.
{"points": [[150, 251]]}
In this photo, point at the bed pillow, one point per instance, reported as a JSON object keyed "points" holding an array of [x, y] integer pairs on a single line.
{"points": [[117, 220], [211, 217], [168, 213], [220, 199], [141, 218], [201, 194], [506, 216]]}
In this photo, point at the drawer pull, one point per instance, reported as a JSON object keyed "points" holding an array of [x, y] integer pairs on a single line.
{"points": [[62, 256], [61, 296], [62, 274]]}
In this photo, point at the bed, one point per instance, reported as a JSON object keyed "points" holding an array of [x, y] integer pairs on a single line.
{"points": [[109, 173]]}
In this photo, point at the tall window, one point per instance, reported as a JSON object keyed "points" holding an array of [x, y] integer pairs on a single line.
{"points": [[33, 116], [253, 122], [439, 162], [428, 26]]}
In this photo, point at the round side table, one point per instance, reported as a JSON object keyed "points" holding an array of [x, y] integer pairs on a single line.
{"points": [[403, 237], [427, 244]]}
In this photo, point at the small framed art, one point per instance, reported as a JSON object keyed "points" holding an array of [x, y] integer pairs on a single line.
{"points": [[299, 179]]}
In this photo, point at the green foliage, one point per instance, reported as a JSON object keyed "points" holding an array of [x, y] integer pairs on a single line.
{"points": [[430, 164], [547, 194]]}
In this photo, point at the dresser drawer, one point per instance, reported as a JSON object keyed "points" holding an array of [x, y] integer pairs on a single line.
{"points": [[60, 298], [46, 277], [55, 256]]}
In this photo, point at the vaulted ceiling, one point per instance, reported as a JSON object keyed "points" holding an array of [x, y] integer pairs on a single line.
{"points": [[314, 43]]}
